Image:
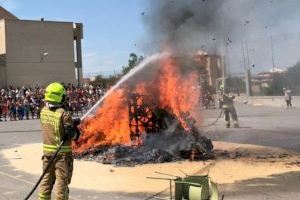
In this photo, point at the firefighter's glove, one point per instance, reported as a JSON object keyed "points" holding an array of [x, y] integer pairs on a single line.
{"points": [[76, 123], [70, 133]]}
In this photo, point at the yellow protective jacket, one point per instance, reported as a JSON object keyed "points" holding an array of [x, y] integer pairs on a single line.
{"points": [[226, 101], [53, 122]]}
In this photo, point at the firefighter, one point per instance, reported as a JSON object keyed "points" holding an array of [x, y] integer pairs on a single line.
{"points": [[226, 103], [57, 126]]}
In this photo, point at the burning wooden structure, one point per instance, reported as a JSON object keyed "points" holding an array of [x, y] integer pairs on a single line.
{"points": [[145, 117], [153, 130], [151, 118], [142, 117]]}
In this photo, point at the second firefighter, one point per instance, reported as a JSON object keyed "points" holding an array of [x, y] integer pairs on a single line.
{"points": [[226, 103]]}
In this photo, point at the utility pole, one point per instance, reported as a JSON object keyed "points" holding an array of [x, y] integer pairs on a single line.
{"points": [[248, 59], [247, 70], [223, 65], [272, 52], [228, 60], [244, 58]]}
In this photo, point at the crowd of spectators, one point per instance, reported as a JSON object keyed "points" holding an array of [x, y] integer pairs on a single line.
{"points": [[19, 103]]}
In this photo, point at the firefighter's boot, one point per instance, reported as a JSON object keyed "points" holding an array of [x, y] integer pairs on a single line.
{"points": [[227, 124], [236, 124]]}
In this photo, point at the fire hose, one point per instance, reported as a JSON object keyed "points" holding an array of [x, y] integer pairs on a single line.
{"points": [[45, 171], [214, 122], [76, 122]]}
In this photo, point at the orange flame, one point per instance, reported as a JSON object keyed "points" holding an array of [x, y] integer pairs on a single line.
{"points": [[177, 92], [171, 89]]}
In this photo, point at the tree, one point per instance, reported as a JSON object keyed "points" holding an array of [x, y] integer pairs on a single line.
{"points": [[293, 80], [279, 82], [290, 79], [133, 61], [99, 81], [236, 84], [105, 82]]}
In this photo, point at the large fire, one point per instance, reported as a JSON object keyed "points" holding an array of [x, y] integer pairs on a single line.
{"points": [[172, 89]]}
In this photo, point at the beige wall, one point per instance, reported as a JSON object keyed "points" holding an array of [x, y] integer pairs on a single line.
{"points": [[2, 37], [26, 41], [2, 76], [2, 55]]}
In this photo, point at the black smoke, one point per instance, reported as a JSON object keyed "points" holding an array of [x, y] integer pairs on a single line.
{"points": [[211, 24]]}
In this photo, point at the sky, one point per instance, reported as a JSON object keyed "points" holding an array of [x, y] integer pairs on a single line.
{"points": [[112, 28], [115, 28]]}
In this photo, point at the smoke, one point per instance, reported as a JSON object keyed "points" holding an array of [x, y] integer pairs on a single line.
{"points": [[183, 25], [188, 25], [174, 141]]}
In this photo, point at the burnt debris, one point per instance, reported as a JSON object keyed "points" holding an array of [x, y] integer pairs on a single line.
{"points": [[158, 148], [157, 136]]}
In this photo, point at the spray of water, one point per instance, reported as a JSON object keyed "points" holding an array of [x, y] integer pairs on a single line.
{"points": [[132, 72]]}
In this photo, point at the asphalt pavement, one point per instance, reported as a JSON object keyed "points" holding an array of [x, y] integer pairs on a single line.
{"points": [[275, 127], [267, 126]]}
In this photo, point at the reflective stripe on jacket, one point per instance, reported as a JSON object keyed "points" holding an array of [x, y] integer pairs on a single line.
{"points": [[226, 101], [52, 128]]}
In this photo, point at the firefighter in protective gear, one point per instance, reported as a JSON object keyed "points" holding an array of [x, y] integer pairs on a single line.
{"points": [[57, 126], [226, 103]]}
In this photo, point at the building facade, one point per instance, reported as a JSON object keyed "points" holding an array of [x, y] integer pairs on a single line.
{"points": [[212, 67], [39, 52]]}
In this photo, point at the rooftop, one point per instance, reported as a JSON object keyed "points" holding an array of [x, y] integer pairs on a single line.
{"points": [[4, 14]]}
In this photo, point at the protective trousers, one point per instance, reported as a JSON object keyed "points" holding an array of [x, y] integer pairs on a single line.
{"points": [[230, 110], [60, 172]]}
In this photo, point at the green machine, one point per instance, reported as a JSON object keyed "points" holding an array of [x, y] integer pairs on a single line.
{"points": [[192, 188], [196, 188]]}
